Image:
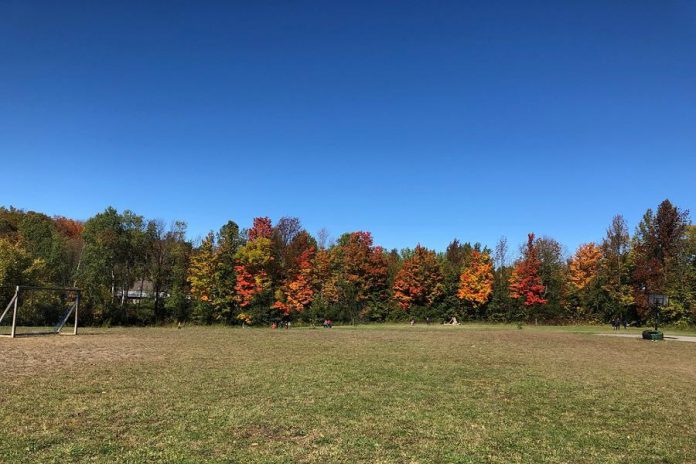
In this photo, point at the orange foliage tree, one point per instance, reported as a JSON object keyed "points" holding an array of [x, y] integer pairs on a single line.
{"points": [[69, 227], [476, 279], [584, 265], [297, 291], [419, 281]]}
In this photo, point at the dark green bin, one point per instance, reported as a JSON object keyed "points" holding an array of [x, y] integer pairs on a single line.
{"points": [[653, 335]]}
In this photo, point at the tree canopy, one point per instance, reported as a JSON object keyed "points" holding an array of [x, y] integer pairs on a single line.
{"points": [[135, 270]]}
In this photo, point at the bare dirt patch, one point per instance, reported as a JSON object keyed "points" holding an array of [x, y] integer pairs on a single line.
{"points": [[29, 355]]}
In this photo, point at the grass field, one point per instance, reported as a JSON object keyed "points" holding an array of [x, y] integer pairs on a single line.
{"points": [[371, 394]]}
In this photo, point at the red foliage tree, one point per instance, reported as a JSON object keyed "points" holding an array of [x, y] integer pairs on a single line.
{"points": [[525, 282], [419, 281], [262, 227], [247, 286]]}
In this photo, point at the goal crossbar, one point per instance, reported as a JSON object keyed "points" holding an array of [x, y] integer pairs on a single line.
{"points": [[14, 304]]}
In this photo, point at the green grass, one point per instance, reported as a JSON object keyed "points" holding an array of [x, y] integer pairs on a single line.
{"points": [[390, 393]]}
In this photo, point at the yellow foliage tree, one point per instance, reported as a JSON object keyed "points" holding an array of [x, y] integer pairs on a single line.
{"points": [[201, 274], [476, 279]]}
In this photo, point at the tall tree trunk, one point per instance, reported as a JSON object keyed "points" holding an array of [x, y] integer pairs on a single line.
{"points": [[158, 312], [113, 286], [79, 263]]}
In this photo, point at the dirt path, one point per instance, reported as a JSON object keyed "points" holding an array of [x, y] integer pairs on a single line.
{"points": [[679, 338]]}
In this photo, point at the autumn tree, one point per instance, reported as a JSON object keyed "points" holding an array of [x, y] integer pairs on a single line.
{"points": [[71, 232], [17, 267], [476, 279], [362, 273], [419, 282], [201, 278], [57, 242], [615, 271], [583, 265], [326, 276], [252, 275], [297, 291], [455, 257], [261, 228], [212, 275], [255, 268], [525, 282], [271, 270], [41, 239], [325, 280], [111, 256], [583, 271], [295, 250], [292, 253], [660, 243]]}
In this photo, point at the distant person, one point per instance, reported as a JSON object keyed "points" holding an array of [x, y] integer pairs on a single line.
{"points": [[427, 320], [413, 322], [616, 323]]}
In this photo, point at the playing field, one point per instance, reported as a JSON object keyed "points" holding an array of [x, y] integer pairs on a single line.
{"points": [[371, 394]]}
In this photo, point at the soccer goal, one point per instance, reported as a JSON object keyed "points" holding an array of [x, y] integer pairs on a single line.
{"points": [[39, 310]]}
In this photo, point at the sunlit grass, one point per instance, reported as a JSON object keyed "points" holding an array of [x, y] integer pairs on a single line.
{"points": [[472, 393]]}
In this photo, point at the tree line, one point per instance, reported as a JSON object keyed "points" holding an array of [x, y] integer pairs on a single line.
{"points": [[138, 271]]}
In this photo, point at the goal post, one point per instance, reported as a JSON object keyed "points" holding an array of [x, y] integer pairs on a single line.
{"points": [[67, 305]]}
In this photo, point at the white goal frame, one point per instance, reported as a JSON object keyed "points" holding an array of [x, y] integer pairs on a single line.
{"points": [[14, 304]]}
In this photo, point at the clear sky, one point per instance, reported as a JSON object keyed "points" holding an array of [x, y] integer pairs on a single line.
{"points": [[418, 121]]}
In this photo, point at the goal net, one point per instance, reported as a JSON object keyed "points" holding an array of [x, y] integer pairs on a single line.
{"points": [[38, 311]]}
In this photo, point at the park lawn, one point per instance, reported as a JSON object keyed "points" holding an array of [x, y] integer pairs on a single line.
{"points": [[388, 393]]}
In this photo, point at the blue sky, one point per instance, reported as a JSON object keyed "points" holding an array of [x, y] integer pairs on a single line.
{"points": [[417, 121]]}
